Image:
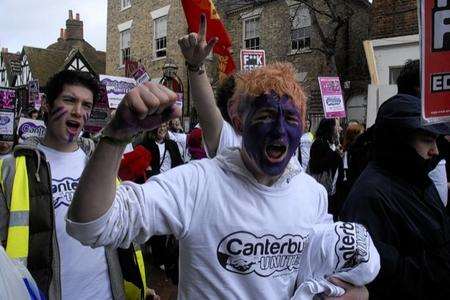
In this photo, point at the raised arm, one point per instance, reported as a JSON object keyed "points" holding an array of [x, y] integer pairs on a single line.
{"points": [[195, 50], [144, 107]]}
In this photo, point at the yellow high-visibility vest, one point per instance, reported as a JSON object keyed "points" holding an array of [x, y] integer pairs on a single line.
{"points": [[17, 242]]}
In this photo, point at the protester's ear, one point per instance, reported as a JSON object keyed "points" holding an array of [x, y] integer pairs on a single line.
{"points": [[237, 124]]}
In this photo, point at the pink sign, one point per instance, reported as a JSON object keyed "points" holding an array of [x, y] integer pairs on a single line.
{"points": [[332, 99]]}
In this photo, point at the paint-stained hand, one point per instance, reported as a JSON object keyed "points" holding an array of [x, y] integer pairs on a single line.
{"points": [[351, 292], [144, 108], [194, 47]]}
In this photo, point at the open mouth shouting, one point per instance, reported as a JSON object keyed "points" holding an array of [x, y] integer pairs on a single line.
{"points": [[276, 151], [73, 127]]}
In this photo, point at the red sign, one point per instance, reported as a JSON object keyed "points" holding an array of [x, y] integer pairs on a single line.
{"points": [[435, 44], [252, 59]]}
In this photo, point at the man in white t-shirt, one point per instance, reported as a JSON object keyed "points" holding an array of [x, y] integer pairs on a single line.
{"points": [[242, 219], [61, 266]]}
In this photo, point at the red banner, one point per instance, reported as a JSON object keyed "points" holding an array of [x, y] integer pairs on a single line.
{"points": [[435, 44], [193, 9]]}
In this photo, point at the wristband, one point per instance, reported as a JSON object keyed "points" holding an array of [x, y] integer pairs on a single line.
{"points": [[199, 68], [116, 142]]}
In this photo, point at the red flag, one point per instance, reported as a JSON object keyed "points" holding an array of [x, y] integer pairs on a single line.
{"points": [[193, 9]]}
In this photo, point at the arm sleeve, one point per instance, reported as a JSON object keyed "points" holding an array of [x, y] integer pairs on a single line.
{"points": [[323, 216], [414, 276], [163, 205]]}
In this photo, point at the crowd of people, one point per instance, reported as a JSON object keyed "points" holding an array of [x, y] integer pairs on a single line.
{"points": [[252, 203]]}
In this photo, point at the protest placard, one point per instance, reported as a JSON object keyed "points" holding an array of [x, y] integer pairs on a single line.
{"points": [[332, 99], [100, 113], [30, 128], [117, 88], [141, 75], [7, 114], [252, 59], [435, 59]]}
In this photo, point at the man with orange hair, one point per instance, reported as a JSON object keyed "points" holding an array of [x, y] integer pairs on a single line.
{"points": [[243, 219]]}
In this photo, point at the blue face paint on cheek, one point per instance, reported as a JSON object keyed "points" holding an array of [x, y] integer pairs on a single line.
{"points": [[57, 113], [272, 142]]}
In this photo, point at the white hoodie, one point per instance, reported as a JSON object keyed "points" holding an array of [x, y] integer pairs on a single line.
{"points": [[238, 239]]}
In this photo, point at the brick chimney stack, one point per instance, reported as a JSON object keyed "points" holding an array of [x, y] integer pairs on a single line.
{"points": [[74, 27], [4, 50], [61, 35]]}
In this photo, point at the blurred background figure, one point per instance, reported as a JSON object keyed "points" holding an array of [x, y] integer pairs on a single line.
{"points": [[195, 144], [325, 158], [34, 114], [305, 145], [6, 148], [176, 134]]}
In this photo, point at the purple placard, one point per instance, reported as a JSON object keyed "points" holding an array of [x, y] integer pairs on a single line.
{"points": [[141, 75], [30, 128], [100, 113], [332, 99], [7, 98]]}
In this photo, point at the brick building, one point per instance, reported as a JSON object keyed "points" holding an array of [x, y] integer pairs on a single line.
{"points": [[148, 31], [394, 39]]}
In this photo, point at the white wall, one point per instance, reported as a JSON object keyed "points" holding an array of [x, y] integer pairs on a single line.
{"points": [[389, 52]]}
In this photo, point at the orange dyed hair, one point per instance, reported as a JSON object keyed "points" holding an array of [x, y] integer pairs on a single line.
{"points": [[277, 77], [353, 130]]}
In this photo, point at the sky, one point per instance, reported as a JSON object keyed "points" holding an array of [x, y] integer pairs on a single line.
{"points": [[37, 22]]}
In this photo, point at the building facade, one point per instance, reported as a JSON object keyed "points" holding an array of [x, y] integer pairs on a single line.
{"points": [[394, 40], [148, 32]]}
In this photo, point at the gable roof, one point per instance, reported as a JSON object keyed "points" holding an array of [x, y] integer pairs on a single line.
{"points": [[9, 59], [44, 62]]}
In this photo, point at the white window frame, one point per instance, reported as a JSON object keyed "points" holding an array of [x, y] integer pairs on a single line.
{"points": [[126, 26], [306, 27], [124, 4], [257, 35], [157, 15], [162, 39]]}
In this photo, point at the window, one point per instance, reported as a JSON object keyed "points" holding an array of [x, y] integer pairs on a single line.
{"points": [[300, 28], [125, 4], [251, 33], [125, 52], [394, 72], [160, 34]]}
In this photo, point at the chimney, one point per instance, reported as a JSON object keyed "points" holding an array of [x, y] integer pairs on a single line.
{"points": [[4, 50], [74, 27], [61, 35]]}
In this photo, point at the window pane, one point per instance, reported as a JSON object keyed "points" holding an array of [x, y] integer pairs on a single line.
{"points": [[160, 27], [125, 39]]}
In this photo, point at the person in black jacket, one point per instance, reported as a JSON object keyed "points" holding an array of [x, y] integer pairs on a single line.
{"points": [[165, 152], [398, 203]]}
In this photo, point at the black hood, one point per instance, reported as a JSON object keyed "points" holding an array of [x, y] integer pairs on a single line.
{"points": [[397, 121]]}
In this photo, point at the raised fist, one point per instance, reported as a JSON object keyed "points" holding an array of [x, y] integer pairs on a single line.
{"points": [[144, 108], [194, 46]]}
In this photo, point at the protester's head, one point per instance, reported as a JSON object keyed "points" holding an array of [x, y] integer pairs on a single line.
{"points": [[270, 113], [408, 81], [33, 114], [402, 138], [224, 95], [6, 147], [175, 125], [353, 130], [159, 134], [69, 101], [329, 130]]}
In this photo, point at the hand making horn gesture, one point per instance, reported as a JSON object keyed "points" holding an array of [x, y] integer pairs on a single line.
{"points": [[194, 46], [144, 108]]}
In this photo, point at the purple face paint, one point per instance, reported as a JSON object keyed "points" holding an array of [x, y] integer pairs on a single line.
{"points": [[272, 132], [70, 139], [57, 113]]}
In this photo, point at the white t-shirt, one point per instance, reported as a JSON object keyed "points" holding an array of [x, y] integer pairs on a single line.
{"points": [[84, 271], [164, 158], [305, 147], [439, 178], [238, 239], [180, 139]]}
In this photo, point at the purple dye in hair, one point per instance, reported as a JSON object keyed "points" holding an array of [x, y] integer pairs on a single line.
{"points": [[274, 127]]}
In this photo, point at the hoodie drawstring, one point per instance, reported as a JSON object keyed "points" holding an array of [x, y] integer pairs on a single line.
{"points": [[38, 178]]}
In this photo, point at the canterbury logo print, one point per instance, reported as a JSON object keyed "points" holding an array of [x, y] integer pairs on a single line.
{"points": [[352, 247], [245, 253]]}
